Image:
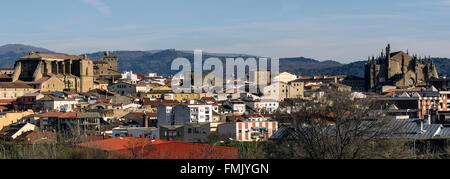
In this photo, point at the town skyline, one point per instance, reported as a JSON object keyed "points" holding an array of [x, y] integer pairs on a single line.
{"points": [[326, 30], [219, 53]]}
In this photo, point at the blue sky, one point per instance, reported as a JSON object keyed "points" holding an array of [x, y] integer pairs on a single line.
{"points": [[344, 30]]}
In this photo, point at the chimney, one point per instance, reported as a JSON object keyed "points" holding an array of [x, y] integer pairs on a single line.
{"points": [[145, 120], [420, 125], [429, 119]]}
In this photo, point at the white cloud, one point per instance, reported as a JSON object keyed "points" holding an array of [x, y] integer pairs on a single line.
{"points": [[99, 6]]}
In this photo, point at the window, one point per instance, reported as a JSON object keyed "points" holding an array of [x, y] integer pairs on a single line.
{"points": [[172, 133]]}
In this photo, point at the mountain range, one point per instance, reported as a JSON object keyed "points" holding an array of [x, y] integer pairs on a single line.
{"points": [[159, 61]]}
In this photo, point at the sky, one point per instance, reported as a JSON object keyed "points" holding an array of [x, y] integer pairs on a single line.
{"points": [[344, 30]]}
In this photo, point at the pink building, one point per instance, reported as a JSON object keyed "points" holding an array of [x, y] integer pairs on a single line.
{"points": [[248, 131]]}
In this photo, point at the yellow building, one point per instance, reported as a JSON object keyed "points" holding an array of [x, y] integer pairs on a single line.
{"points": [[162, 88], [183, 97], [8, 118], [159, 94], [281, 90]]}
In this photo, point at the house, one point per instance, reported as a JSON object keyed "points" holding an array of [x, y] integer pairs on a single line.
{"points": [[417, 103], [184, 113], [130, 77], [172, 132], [131, 147], [144, 119], [152, 104], [146, 132], [73, 123], [101, 85], [281, 90], [9, 90], [165, 115], [123, 88], [6, 104], [37, 137], [196, 131], [248, 131], [15, 131], [142, 88], [27, 102], [238, 106], [52, 103], [356, 83], [265, 105], [183, 97], [166, 94], [8, 118], [285, 77]]}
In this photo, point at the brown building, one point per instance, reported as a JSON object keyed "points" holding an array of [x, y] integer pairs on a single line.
{"points": [[75, 73], [398, 69], [106, 69]]}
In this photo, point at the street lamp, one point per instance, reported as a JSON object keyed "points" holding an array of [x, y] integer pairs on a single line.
{"points": [[143, 146], [212, 152]]}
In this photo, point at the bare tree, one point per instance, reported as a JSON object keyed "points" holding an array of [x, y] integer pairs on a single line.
{"points": [[334, 127]]}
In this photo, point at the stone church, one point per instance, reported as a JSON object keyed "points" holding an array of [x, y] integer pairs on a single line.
{"points": [[106, 69], [54, 72], [398, 69]]}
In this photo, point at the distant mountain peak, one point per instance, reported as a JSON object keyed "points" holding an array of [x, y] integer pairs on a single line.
{"points": [[20, 49]]}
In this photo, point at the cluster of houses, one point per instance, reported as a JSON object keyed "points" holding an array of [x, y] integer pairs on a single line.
{"points": [[146, 107]]}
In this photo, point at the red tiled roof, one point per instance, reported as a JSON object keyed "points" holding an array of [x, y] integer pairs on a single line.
{"points": [[104, 100], [70, 115], [141, 114], [36, 135], [51, 114], [148, 102], [6, 101], [13, 85], [159, 149], [208, 99]]}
